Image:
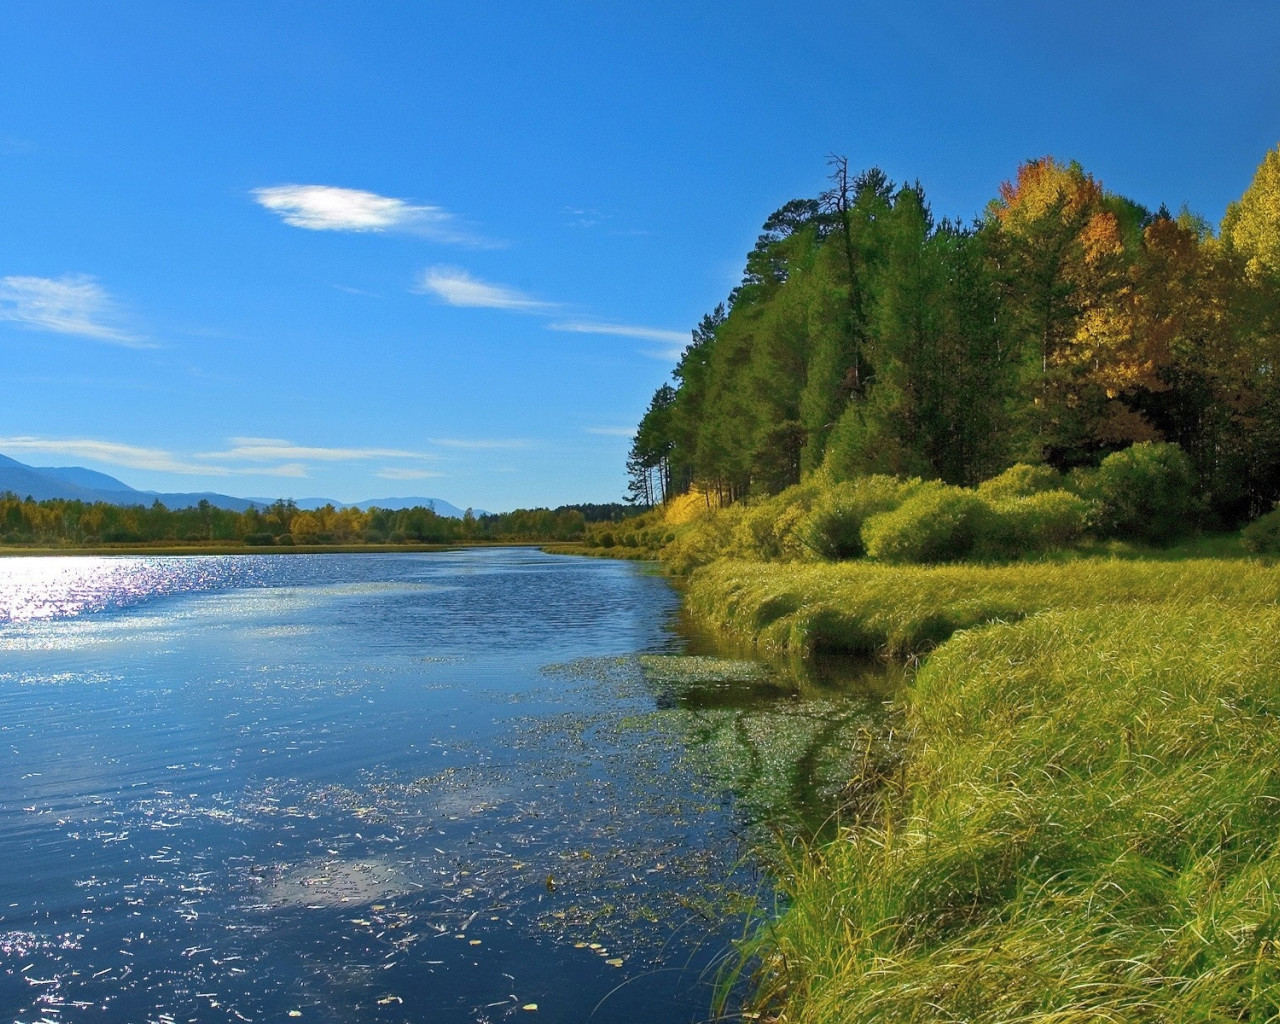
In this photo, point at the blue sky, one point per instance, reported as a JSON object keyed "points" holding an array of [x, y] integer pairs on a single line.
{"points": [[362, 250]]}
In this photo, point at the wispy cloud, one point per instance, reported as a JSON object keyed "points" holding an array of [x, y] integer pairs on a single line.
{"points": [[268, 449], [480, 443], [110, 452], [330, 208], [73, 304], [293, 469], [583, 217], [666, 355], [355, 291], [611, 431], [621, 330], [397, 473], [459, 288]]}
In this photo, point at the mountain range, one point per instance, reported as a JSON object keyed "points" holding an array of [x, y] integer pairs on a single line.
{"points": [[75, 483]]}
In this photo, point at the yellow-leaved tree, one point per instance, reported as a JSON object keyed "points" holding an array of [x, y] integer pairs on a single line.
{"points": [[1252, 225]]}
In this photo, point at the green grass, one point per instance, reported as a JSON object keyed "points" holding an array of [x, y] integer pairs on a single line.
{"points": [[1086, 832], [905, 611], [1086, 825]]}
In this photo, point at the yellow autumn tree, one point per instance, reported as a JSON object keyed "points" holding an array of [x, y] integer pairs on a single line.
{"points": [[1252, 225], [1069, 284]]}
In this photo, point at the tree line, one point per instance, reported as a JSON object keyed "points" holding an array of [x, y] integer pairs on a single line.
{"points": [[64, 522], [1066, 323]]}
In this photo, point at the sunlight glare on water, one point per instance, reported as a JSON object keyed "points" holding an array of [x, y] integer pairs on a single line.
{"points": [[60, 587], [252, 787], [399, 787]]}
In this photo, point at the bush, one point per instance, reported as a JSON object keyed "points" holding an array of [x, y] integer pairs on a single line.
{"points": [[285, 540], [770, 530], [1021, 481], [606, 540], [1262, 536], [259, 539], [1145, 493], [832, 529], [1035, 523], [936, 524], [704, 539], [373, 537], [397, 537]]}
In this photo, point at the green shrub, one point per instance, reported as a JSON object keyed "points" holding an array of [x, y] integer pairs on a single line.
{"points": [[607, 539], [1262, 536], [936, 524], [832, 528], [703, 540], [285, 540], [770, 529], [1034, 523], [1020, 481], [1145, 492], [259, 539]]}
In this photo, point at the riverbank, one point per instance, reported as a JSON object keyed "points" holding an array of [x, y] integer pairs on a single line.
{"points": [[238, 548], [1086, 821]]}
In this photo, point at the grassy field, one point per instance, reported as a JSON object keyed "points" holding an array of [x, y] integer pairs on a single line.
{"points": [[1086, 827], [864, 607]]}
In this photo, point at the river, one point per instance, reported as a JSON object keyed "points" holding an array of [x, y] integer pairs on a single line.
{"points": [[451, 786]]}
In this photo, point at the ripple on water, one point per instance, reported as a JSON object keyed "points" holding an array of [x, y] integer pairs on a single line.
{"points": [[316, 790]]}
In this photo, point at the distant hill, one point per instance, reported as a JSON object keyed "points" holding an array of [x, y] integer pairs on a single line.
{"points": [[437, 505], [75, 483], [82, 477]]}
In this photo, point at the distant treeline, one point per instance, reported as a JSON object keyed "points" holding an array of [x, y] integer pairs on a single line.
{"points": [[1065, 324], [63, 522]]}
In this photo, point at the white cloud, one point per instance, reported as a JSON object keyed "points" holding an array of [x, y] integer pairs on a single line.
{"points": [[266, 449], [330, 208], [612, 431], [109, 452], [292, 469], [458, 288], [480, 443], [622, 330], [396, 473], [667, 355], [73, 304]]}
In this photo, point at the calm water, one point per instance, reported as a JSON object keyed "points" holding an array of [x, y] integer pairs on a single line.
{"points": [[419, 787]]}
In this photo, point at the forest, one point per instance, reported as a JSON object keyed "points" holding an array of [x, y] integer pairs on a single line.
{"points": [[59, 522], [1064, 324]]}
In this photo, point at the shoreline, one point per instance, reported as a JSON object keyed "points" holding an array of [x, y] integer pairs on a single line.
{"points": [[236, 548]]}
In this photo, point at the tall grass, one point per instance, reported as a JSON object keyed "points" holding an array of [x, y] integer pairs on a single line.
{"points": [[905, 611], [1088, 830]]}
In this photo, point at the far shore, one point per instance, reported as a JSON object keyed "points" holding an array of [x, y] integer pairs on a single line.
{"points": [[238, 548]]}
